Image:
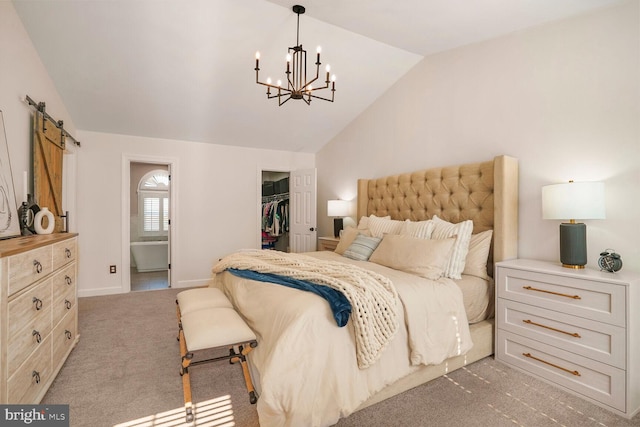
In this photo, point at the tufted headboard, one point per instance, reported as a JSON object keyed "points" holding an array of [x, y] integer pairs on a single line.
{"points": [[485, 192]]}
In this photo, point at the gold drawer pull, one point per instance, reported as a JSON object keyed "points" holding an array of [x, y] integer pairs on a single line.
{"points": [[576, 373], [530, 288], [573, 334]]}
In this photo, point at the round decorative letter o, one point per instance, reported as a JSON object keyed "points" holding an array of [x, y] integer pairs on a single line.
{"points": [[37, 221]]}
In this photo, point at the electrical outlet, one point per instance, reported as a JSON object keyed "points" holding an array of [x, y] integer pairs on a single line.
{"points": [[112, 269]]}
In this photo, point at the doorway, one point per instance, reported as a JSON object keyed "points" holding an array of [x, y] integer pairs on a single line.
{"points": [[150, 180], [274, 230]]}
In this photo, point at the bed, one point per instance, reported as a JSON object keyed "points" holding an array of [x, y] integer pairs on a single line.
{"points": [[308, 371]]}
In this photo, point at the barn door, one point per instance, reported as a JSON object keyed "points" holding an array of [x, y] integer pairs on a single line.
{"points": [[48, 147]]}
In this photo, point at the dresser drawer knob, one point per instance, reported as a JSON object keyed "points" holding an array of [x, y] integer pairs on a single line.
{"points": [[530, 288], [36, 375], [38, 265], [37, 335], [67, 252], [573, 334], [37, 302], [67, 333], [576, 373], [68, 280], [67, 304]]}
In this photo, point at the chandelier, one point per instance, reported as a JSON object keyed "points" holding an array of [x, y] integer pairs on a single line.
{"points": [[297, 87]]}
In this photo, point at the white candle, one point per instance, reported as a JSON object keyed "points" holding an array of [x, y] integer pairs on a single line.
{"points": [[25, 187]]}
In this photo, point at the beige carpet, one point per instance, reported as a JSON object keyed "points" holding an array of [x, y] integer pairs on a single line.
{"points": [[125, 371]]}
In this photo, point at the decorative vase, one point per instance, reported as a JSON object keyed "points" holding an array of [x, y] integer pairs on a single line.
{"points": [[37, 221]]}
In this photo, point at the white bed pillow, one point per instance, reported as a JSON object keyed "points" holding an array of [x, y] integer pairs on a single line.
{"points": [[422, 257], [418, 229], [381, 226], [476, 262], [347, 236], [462, 232], [363, 224]]}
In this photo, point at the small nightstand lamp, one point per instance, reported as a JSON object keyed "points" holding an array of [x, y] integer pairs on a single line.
{"points": [[338, 209], [571, 201]]}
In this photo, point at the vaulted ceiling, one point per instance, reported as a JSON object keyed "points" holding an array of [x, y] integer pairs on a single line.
{"points": [[184, 69]]}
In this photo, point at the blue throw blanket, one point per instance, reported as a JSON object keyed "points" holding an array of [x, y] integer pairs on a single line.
{"points": [[340, 305]]}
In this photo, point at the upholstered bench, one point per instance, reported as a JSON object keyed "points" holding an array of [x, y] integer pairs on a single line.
{"points": [[207, 320]]}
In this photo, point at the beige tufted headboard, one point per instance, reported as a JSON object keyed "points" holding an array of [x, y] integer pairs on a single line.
{"points": [[485, 192]]}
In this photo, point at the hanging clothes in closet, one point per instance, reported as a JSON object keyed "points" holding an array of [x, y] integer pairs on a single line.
{"points": [[275, 219]]}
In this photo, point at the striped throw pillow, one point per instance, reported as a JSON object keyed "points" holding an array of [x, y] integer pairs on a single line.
{"points": [[462, 232], [362, 247]]}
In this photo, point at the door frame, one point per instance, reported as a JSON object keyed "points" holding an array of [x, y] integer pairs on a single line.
{"points": [[262, 169], [125, 262]]}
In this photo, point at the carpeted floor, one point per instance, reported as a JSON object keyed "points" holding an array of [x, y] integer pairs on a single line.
{"points": [[124, 371]]}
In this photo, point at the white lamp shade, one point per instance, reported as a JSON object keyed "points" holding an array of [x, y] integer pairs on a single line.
{"points": [[573, 200], [338, 208]]}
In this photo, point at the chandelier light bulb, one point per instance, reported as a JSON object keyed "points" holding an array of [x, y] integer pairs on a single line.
{"points": [[288, 57], [319, 49], [328, 68], [333, 78], [257, 55], [268, 80], [279, 83]]}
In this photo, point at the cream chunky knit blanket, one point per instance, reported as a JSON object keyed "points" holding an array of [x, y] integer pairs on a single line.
{"points": [[373, 297]]}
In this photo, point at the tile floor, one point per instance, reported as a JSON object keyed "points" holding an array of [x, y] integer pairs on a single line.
{"points": [[149, 281]]}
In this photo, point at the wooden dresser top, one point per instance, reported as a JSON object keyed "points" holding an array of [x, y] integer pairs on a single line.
{"points": [[17, 245]]}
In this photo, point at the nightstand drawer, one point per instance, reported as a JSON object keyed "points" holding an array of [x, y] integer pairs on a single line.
{"points": [[589, 378], [599, 301], [595, 340]]}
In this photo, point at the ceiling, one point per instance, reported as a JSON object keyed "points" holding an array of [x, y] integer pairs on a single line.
{"points": [[184, 69]]}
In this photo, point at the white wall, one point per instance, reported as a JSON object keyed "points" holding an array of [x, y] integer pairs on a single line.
{"points": [[563, 98], [22, 73], [217, 195]]}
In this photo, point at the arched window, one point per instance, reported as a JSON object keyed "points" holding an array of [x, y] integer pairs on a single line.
{"points": [[153, 203]]}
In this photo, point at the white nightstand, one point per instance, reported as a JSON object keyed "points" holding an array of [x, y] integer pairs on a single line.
{"points": [[577, 329], [328, 243]]}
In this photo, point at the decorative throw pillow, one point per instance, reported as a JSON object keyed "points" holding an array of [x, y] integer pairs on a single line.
{"points": [[418, 229], [347, 236], [476, 262], [462, 232], [423, 257], [381, 226], [364, 221], [362, 247]]}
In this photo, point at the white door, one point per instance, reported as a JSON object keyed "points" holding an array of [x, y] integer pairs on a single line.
{"points": [[302, 210]]}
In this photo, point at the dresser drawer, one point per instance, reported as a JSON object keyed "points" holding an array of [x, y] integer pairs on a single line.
{"points": [[64, 252], [29, 267], [64, 304], [586, 377], [26, 308], [599, 301], [63, 281], [598, 341], [63, 338], [27, 340], [28, 382]]}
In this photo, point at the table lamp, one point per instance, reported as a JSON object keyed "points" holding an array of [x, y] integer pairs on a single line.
{"points": [[338, 209], [572, 201]]}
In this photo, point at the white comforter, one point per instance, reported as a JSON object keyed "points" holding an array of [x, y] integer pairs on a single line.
{"points": [[307, 367]]}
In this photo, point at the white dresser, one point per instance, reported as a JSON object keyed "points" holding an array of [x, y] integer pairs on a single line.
{"points": [[577, 329], [38, 309]]}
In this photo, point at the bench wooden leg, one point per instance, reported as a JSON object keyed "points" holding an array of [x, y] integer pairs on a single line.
{"points": [[241, 357], [184, 372]]}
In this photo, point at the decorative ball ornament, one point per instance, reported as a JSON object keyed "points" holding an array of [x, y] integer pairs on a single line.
{"points": [[610, 261]]}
